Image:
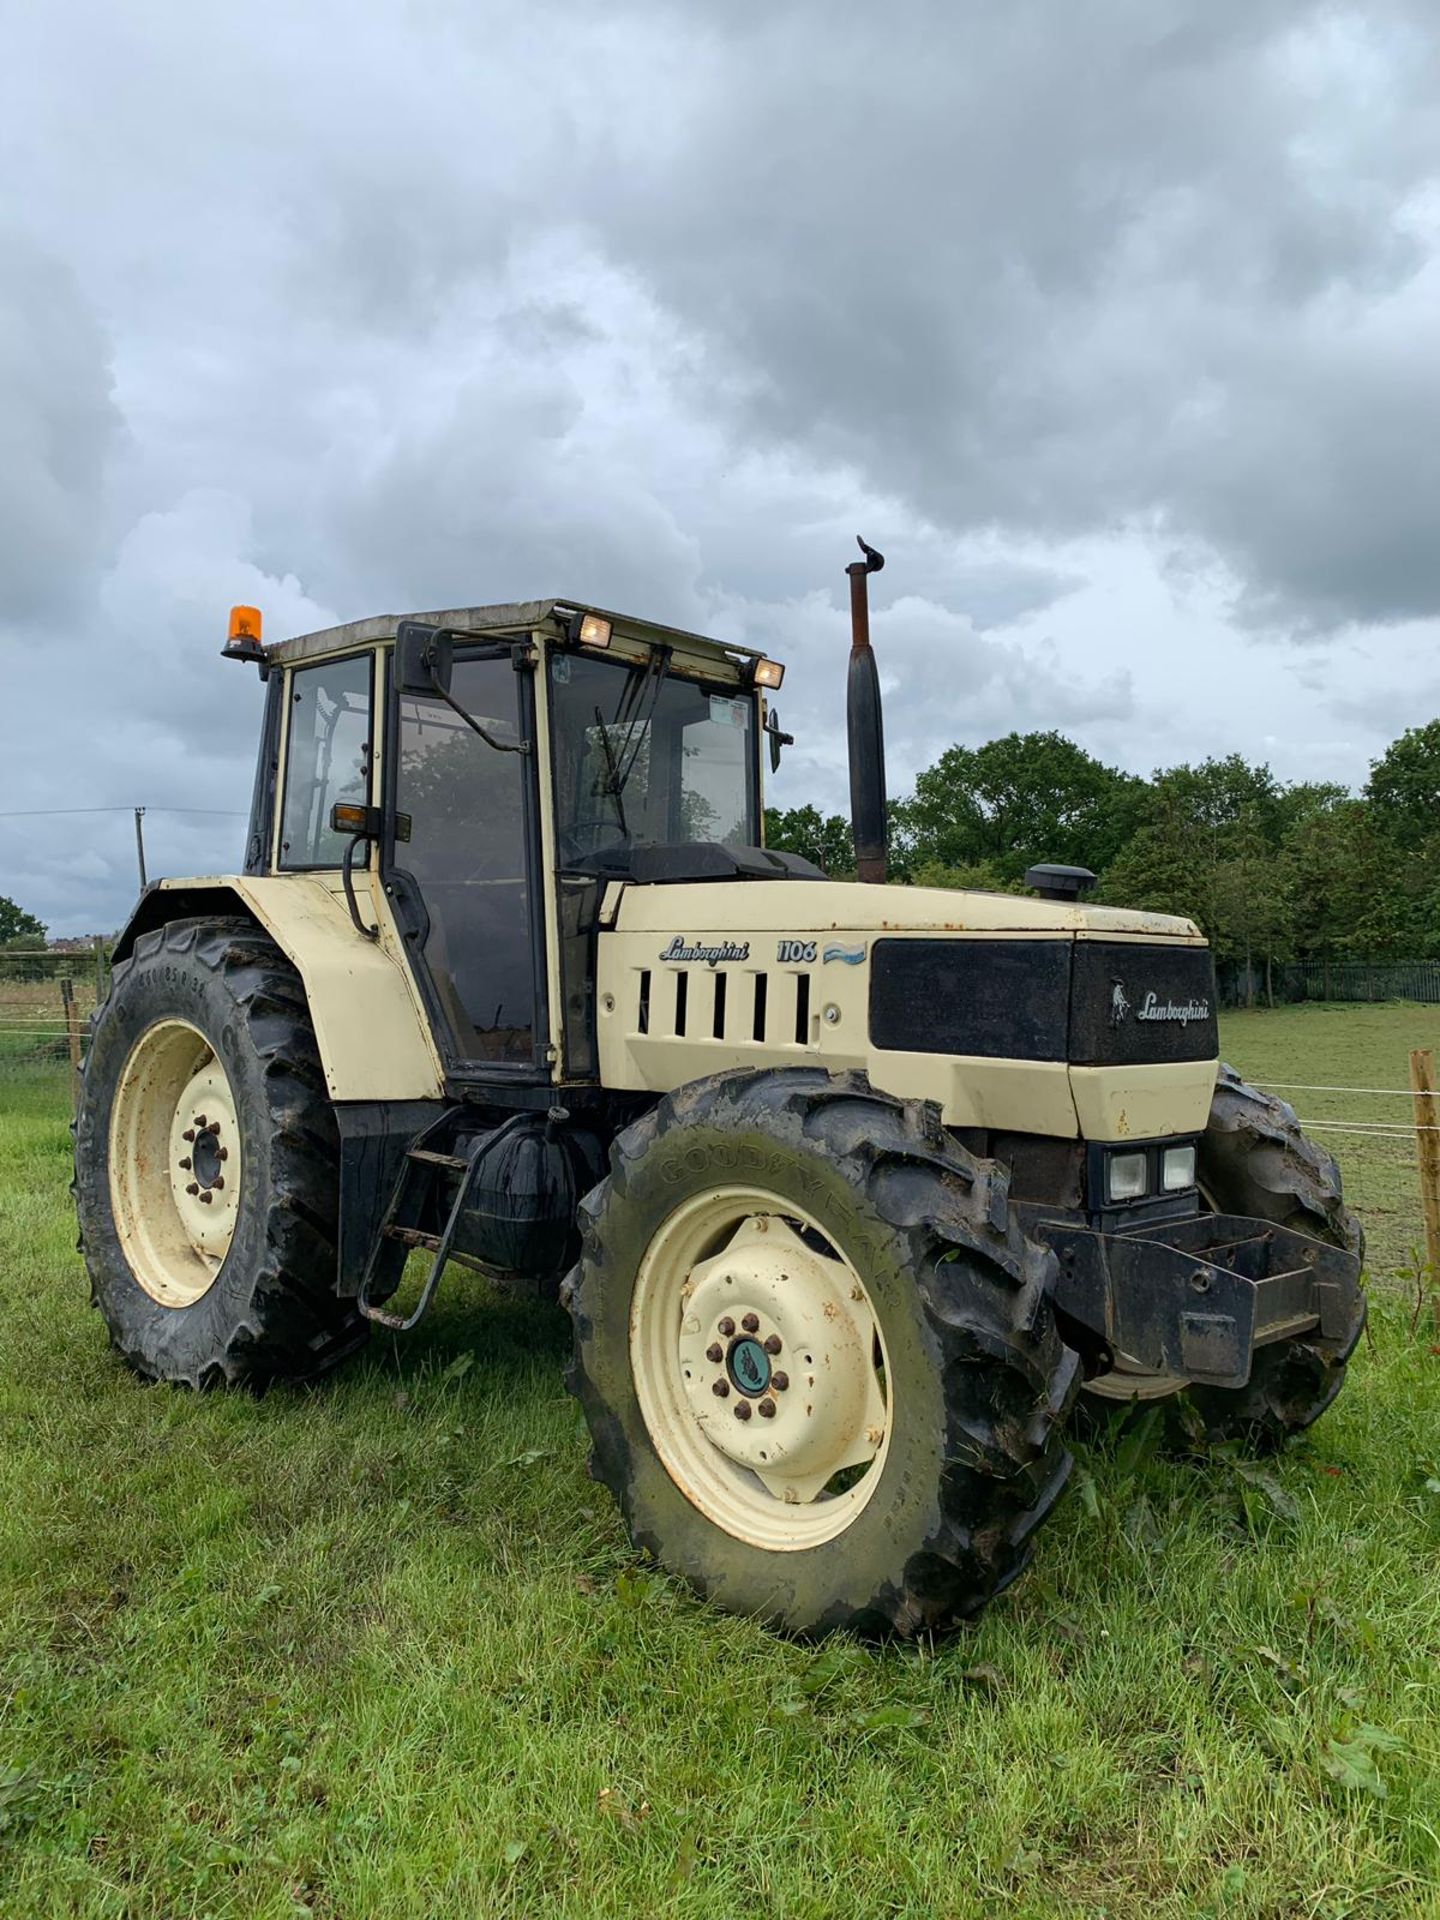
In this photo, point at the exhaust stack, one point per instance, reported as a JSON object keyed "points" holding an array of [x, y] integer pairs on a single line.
{"points": [[865, 727]]}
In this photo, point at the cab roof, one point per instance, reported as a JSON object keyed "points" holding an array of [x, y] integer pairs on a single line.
{"points": [[517, 616]]}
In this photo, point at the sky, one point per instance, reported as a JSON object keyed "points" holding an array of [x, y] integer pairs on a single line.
{"points": [[1114, 326]]}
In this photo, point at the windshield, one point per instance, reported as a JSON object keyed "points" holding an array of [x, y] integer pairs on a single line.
{"points": [[644, 758]]}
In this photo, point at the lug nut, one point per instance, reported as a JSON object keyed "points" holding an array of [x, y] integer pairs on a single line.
{"points": [[715, 1352], [185, 1166], [721, 1389], [780, 1381], [201, 1121], [767, 1409], [772, 1343], [189, 1134], [742, 1410], [727, 1326], [223, 1153], [218, 1181], [192, 1188], [215, 1126], [207, 1199], [751, 1323]]}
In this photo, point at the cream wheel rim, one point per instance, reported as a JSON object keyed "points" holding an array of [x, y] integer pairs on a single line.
{"points": [[174, 1163], [760, 1368]]}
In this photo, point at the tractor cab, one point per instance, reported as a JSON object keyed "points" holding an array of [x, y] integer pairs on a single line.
{"points": [[470, 781]]}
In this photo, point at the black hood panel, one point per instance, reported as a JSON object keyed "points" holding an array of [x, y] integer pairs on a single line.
{"points": [[1133, 1005], [1093, 1003]]}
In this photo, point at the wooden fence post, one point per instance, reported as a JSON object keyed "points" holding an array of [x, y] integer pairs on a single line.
{"points": [[1427, 1150], [72, 1029]]}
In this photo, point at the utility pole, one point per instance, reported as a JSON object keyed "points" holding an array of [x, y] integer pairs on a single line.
{"points": [[140, 845]]}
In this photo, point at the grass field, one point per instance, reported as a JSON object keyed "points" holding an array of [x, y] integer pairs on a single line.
{"points": [[382, 1649]]}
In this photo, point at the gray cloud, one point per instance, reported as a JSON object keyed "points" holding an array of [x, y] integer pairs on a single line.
{"points": [[1054, 269], [1113, 326], [61, 429]]}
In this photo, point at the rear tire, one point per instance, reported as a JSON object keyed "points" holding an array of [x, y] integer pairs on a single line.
{"points": [[966, 1457], [239, 1290]]}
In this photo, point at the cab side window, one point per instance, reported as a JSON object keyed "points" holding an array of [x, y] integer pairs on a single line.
{"points": [[327, 759]]}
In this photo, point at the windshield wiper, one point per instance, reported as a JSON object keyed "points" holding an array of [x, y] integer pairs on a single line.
{"points": [[617, 785], [660, 666]]}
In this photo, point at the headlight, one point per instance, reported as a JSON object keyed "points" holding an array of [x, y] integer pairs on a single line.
{"points": [[1127, 1176], [1177, 1170]]}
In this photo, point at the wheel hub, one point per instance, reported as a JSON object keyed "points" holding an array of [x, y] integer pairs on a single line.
{"points": [[777, 1353], [748, 1365]]}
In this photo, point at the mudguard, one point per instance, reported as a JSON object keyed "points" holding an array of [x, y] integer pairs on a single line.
{"points": [[374, 1039]]}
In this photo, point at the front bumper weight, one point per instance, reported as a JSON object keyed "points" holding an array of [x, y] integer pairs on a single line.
{"points": [[1195, 1298]]}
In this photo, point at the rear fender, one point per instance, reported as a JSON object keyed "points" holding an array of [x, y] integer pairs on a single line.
{"points": [[374, 1039]]}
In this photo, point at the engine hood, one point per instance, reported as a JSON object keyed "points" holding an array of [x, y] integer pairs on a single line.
{"points": [[833, 906], [1011, 1014]]}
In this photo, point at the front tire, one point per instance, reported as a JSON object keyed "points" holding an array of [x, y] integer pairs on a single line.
{"points": [[904, 1465], [206, 1165], [1255, 1160]]}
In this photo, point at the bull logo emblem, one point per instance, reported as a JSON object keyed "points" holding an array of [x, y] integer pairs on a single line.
{"points": [[1119, 1005]]}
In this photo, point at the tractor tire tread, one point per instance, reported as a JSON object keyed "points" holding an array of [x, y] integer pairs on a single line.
{"points": [[981, 1285], [295, 1326]]}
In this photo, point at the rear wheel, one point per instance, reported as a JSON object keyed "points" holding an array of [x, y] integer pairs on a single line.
{"points": [[818, 1360], [206, 1175]]}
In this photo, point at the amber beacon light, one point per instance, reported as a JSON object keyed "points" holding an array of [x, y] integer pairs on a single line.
{"points": [[243, 642]]}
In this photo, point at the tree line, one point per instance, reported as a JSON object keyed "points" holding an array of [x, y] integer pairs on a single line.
{"points": [[1272, 871]]}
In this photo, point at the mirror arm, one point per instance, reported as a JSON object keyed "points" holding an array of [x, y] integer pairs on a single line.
{"points": [[347, 878], [500, 746]]}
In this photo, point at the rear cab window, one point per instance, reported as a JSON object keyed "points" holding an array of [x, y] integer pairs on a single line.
{"points": [[327, 756]]}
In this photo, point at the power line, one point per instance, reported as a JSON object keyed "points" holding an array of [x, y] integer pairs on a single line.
{"points": [[37, 813]]}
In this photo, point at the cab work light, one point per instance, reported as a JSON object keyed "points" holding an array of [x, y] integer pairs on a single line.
{"points": [[768, 673], [594, 632]]}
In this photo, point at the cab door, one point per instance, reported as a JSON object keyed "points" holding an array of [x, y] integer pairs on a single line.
{"points": [[461, 862]]}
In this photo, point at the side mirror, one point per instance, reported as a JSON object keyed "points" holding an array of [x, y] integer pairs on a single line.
{"points": [[776, 738], [424, 659]]}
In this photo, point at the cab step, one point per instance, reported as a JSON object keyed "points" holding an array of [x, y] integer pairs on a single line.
{"points": [[409, 1222]]}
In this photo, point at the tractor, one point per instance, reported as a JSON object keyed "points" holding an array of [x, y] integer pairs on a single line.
{"points": [[852, 1190]]}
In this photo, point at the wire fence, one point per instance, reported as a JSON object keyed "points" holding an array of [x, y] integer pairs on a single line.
{"points": [[35, 1022], [1381, 1143], [1292, 981]]}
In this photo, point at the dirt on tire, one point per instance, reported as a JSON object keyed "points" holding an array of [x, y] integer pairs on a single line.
{"points": [[979, 1380], [272, 1312]]}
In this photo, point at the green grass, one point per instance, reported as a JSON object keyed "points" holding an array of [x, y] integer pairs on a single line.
{"points": [[382, 1649]]}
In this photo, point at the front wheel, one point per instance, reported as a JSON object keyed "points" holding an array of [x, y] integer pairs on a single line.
{"points": [[818, 1361], [1255, 1160]]}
